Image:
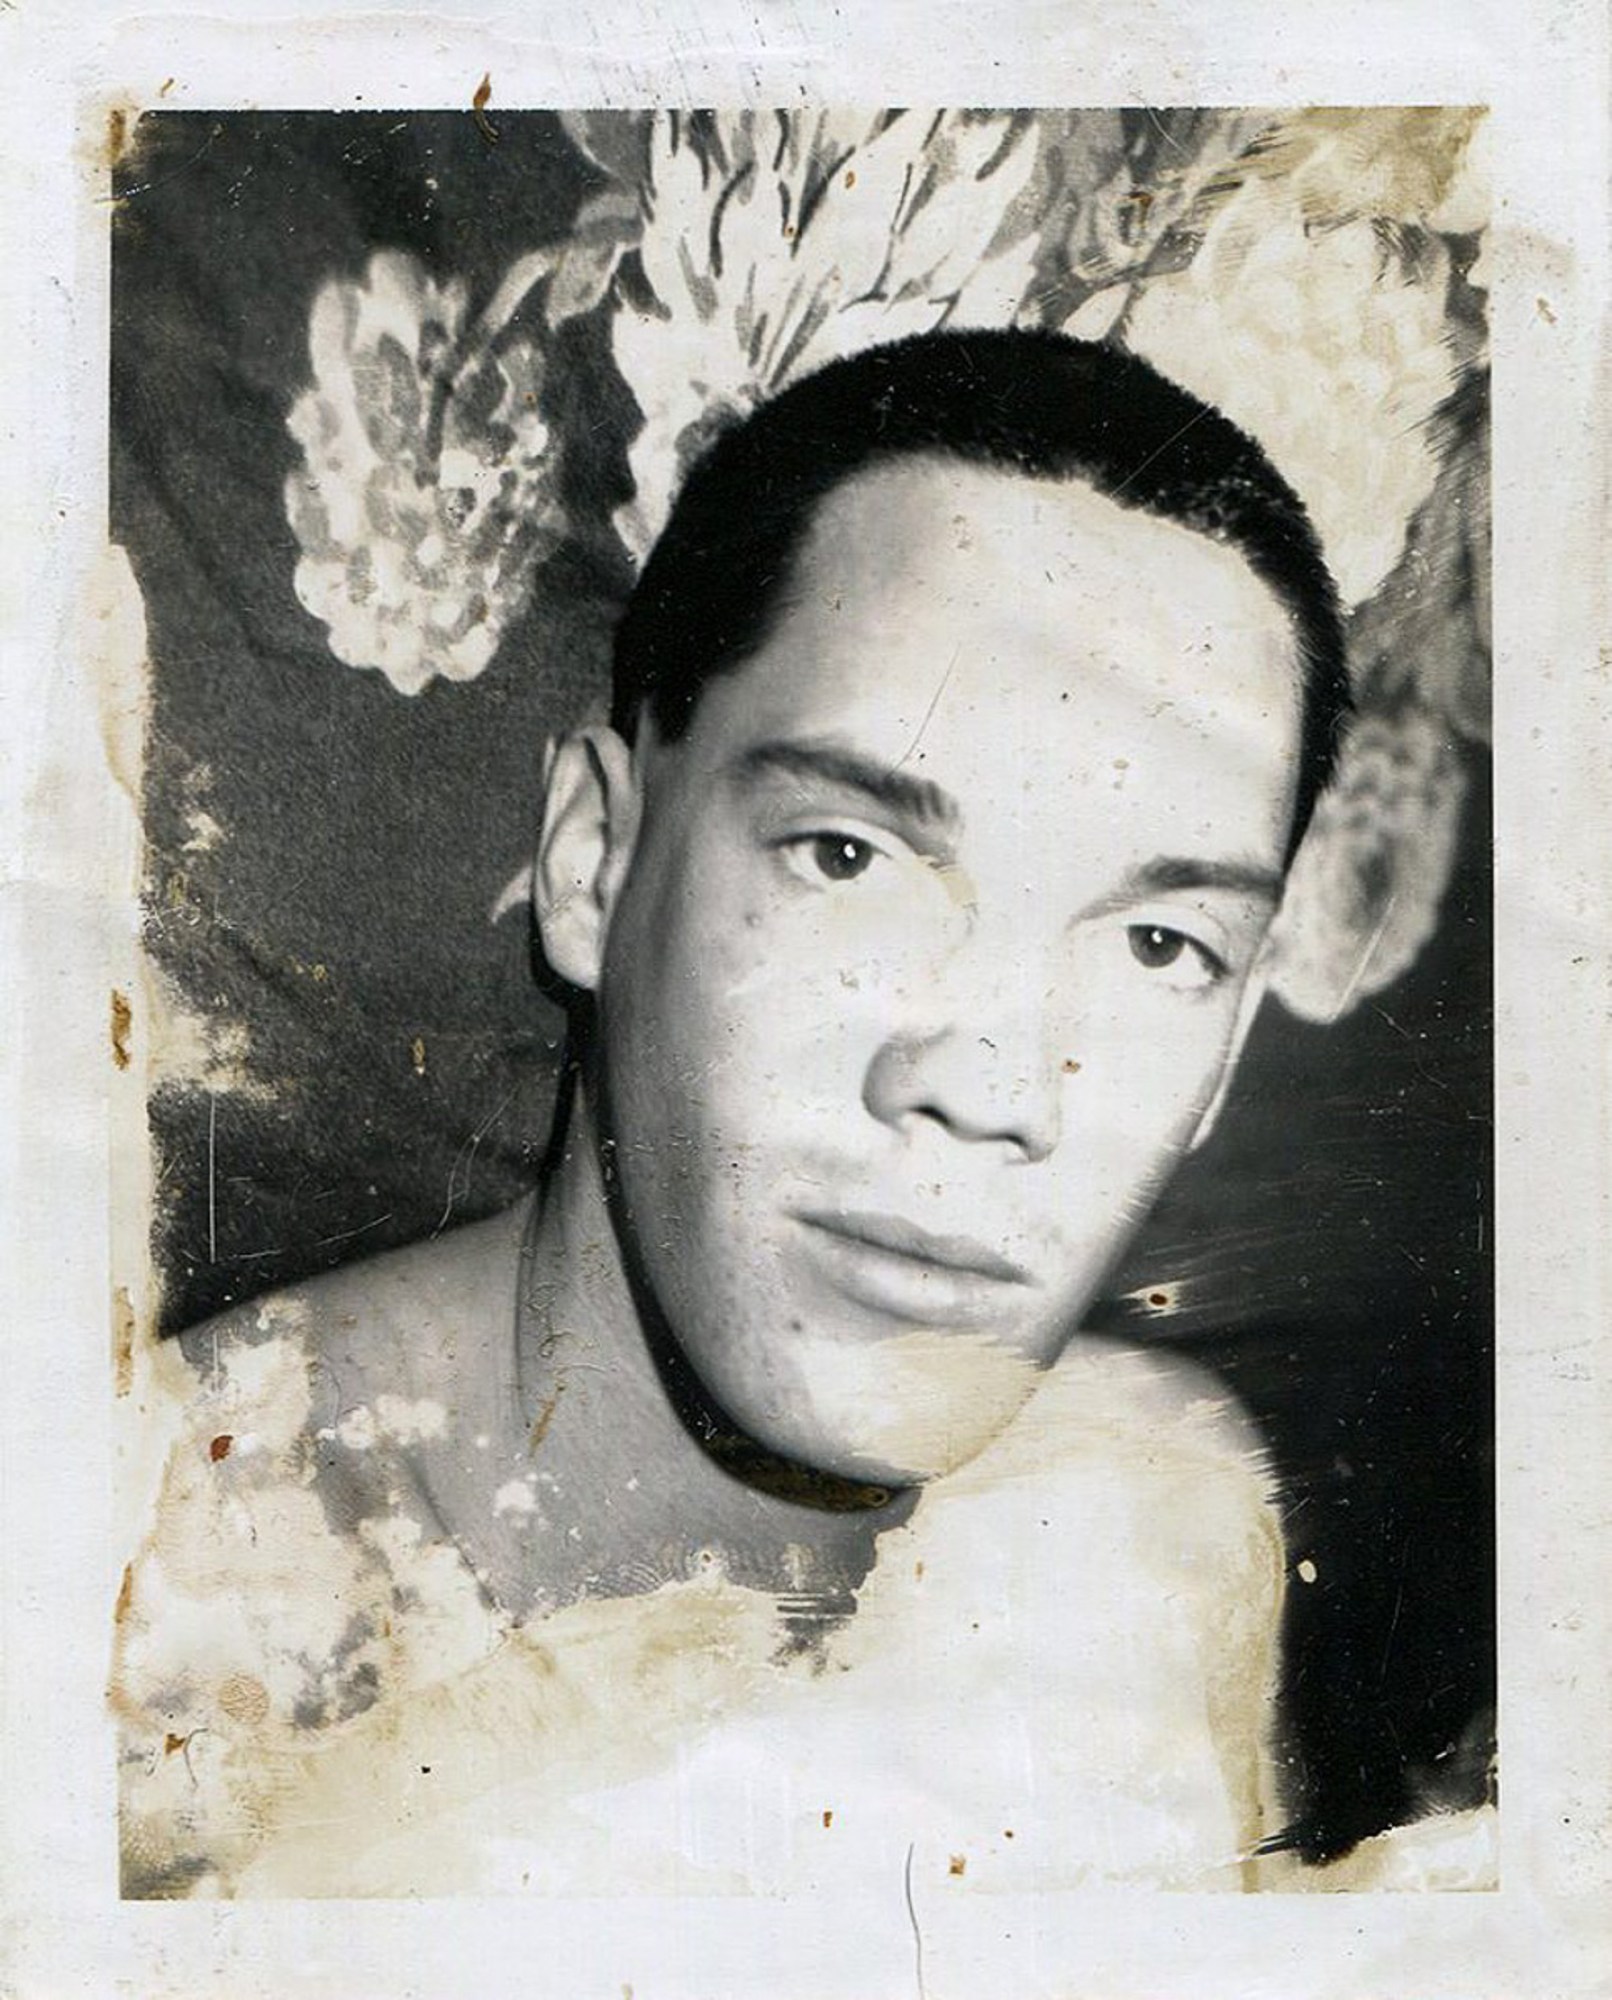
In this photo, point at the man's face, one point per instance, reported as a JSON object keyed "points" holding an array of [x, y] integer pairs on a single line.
{"points": [[933, 949]]}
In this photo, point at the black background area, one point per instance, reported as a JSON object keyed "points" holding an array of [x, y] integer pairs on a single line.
{"points": [[393, 1063]]}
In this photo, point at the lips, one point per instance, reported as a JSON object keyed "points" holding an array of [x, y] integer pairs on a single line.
{"points": [[894, 1267]]}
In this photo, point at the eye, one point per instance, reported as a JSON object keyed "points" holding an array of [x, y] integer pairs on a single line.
{"points": [[841, 857], [1154, 946], [830, 857], [1158, 948]]}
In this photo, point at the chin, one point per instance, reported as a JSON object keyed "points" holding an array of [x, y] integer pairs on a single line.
{"points": [[877, 1464], [901, 1411]]}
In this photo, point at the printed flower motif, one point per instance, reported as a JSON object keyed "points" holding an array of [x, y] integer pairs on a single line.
{"points": [[1424, 636], [1117, 193], [1411, 165], [1330, 347], [1364, 893], [425, 501], [774, 243]]}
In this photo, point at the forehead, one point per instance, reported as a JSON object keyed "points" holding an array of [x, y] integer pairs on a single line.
{"points": [[1014, 637], [932, 541]]}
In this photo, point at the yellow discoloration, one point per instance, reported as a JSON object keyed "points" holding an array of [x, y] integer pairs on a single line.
{"points": [[122, 1341], [548, 1758], [114, 630], [1345, 161], [545, 1417], [122, 1028], [244, 1699], [924, 1400]]}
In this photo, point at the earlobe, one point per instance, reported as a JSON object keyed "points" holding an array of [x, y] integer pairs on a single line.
{"points": [[590, 822], [1248, 1007]]}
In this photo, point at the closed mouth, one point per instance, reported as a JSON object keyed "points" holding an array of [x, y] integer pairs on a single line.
{"points": [[896, 1237]]}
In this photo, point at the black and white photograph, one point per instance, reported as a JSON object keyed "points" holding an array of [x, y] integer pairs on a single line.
{"points": [[809, 1185], [817, 824]]}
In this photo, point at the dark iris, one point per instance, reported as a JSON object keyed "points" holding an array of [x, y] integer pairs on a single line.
{"points": [[839, 857], [1155, 947]]}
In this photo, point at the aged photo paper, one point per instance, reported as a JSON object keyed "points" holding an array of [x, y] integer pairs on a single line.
{"points": [[807, 1140]]}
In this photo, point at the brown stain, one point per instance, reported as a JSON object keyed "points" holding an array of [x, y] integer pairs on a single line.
{"points": [[244, 1698], [478, 109], [120, 134], [958, 1865], [220, 1447], [122, 1028], [828, 1816], [125, 1597], [1543, 308], [850, 177], [1070, 1066], [122, 1341], [545, 1417], [417, 1054], [172, 1743], [111, 140]]}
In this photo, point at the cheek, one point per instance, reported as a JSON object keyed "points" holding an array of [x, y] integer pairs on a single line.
{"points": [[789, 985], [723, 1026], [1138, 1081]]}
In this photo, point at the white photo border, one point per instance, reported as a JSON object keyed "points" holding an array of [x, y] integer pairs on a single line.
{"points": [[69, 841]]}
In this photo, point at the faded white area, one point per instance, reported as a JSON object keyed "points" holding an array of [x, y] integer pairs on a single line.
{"points": [[1297, 321], [1058, 1673], [65, 917], [391, 1419], [901, 1399]]}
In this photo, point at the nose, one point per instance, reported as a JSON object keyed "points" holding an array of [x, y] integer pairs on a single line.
{"points": [[982, 1068]]}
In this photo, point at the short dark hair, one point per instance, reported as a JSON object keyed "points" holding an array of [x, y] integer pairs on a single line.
{"points": [[1024, 400]]}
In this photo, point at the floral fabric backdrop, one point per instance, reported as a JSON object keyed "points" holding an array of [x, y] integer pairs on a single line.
{"points": [[398, 402]]}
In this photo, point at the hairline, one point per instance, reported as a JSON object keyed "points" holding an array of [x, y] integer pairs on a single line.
{"points": [[1220, 485], [787, 591]]}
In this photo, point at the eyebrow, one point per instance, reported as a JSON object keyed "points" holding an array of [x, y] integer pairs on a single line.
{"points": [[1175, 874], [914, 799]]}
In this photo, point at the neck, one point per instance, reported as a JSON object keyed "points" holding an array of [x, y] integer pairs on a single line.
{"points": [[647, 1480]]}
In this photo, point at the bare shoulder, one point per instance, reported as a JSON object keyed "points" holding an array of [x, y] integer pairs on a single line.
{"points": [[1142, 1409], [389, 1388], [403, 1318], [303, 1559]]}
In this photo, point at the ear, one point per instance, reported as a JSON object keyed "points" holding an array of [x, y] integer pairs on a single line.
{"points": [[1248, 1007], [590, 822]]}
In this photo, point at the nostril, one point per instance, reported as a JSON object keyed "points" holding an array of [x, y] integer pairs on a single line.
{"points": [[973, 1087]]}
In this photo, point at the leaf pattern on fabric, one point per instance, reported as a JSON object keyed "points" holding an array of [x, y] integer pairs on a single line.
{"points": [[426, 494], [1364, 893], [775, 243]]}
